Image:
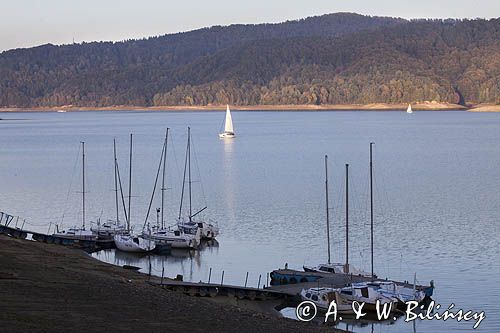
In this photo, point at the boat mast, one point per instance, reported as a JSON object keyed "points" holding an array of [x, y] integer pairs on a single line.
{"points": [[163, 181], [327, 209], [347, 218], [116, 183], [184, 177], [189, 173], [83, 184], [129, 183], [371, 205], [146, 223]]}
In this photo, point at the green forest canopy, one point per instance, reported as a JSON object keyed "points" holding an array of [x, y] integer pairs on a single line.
{"points": [[338, 58]]}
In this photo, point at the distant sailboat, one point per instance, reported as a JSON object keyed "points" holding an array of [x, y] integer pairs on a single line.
{"points": [[228, 126], [409, 110]]}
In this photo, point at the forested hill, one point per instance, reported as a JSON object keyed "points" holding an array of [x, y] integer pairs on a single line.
{"points": [[332, 59]]}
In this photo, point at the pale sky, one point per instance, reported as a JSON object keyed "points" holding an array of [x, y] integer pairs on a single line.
{"points": [[26, 23]]}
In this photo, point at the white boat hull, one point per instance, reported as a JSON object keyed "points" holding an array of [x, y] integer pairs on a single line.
{"points": [[207, 231], [226, 135], [138, 244], [76, 233], [175, 238]]}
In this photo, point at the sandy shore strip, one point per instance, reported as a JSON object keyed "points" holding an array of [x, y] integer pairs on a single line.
{"points": [[47, 287], [486, 108], [427, 106]]}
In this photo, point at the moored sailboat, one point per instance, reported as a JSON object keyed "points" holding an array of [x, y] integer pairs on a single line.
{"points": [[174, 236], [78, 233], [336, 268], [409, 109], [228, 126], [188, 225], [108, 229], [128, 242]]}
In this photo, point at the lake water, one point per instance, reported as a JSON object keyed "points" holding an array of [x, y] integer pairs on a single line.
{"points": [[437, 198]]}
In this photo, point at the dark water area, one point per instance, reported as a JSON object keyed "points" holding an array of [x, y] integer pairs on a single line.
{"points": [[436, 193]]}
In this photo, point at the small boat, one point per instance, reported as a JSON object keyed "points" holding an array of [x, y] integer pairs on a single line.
{"points": [[189, 225], [61, 111], [368, 294], [228, 126], [336, 268], [208, 231], [108, 229], [133, 243], [76, 233], [175, 238], [409, 110], [323, 297], [344, 297]]}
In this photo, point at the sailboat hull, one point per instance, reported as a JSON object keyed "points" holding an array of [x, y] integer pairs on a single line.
{"points": [[226, 135], [137, 244]]}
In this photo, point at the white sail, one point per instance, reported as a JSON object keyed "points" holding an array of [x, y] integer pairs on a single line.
{"points": [[409, 110], [228, 127]]}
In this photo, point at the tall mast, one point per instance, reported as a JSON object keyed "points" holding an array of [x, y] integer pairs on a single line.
{"points": [[371, 204], [163, 181], [116, 182], [347, 218], [184, 176], [83, 184], [146, 223], [189, 172], [327, 209], [129, 183]]}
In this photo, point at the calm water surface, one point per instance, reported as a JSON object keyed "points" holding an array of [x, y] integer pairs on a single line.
{"points": [[436, 192]]}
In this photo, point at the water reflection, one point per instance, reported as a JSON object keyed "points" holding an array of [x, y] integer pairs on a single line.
{"points": [[229, 179], [178, 261]]}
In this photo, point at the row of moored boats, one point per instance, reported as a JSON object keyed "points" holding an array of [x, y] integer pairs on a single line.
{"points": [[187, 232]]}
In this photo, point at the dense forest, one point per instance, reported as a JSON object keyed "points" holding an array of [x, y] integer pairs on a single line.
{"points": [[338, 58]]}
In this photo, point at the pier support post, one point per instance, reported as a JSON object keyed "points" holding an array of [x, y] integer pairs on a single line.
{"points": [[222, 279], [258, 284], [246, 280], [209, 274]]}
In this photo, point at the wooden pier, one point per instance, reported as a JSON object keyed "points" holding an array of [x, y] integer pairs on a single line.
{"points": [[203, 289]]}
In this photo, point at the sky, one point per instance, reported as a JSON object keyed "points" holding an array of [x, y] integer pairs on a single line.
{"points": [[27, 23]]}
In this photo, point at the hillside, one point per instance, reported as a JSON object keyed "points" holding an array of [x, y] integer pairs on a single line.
{"points": [[332, 59]]}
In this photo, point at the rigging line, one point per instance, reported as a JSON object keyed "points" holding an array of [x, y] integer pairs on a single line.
{"points": [[70, 185], [156, 182], [198, 173], [176, 160], [121, 191], [184, 178]]}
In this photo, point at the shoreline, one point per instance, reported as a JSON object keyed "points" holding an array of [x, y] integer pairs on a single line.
{"points": [[427, 106], [46, 287]]}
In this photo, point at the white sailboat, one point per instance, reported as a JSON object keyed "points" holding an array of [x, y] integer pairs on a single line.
{"points": [[409, 110], [108, 229], [173, 236], [128, 242], [228, 126], [189, 225]]}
